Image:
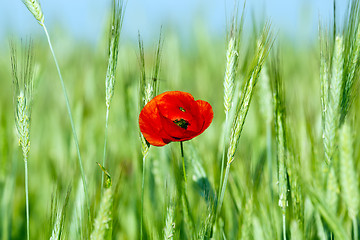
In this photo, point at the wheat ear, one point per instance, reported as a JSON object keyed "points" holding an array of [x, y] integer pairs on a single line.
{"points": [[23, 86], [232, 56], [332, 108], [262, 51], [35, 8], [114, 36], [169, 228], [148, 89], [103, 221], [59, 216], [281, 147], [349, 180]]}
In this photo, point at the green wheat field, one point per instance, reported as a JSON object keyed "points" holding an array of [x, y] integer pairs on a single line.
{"points": [[280, 159]]}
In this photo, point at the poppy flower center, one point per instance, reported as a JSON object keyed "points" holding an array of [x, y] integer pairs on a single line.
{"points": [[181, 123]]}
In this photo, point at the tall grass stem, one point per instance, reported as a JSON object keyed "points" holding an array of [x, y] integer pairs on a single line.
{"points": [[169, 228], [114, 36], [262, 49], [284, 226], [103, 223], [269, 155], [23, 88], [27, 199], [355, 227], [223, 157], [221, 199], [105, 144], [232, 55], [72, 124]]}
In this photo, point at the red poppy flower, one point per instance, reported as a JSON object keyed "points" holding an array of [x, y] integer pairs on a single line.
{"points": [[173, 117]]}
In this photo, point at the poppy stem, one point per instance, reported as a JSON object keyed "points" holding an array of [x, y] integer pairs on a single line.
{"points": [[142, 192], [185, 201], [183, 160]]}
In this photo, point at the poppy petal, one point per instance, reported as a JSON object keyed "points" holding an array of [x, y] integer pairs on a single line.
{"points": [[150, 126], [178, 105], [176, 132], [206, 112], [174, 116]]}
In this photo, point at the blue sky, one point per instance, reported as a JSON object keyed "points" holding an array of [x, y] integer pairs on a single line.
{"points": [[86, 19]]}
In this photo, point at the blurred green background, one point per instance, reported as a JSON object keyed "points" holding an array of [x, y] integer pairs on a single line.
{"points": [[193, 60]]}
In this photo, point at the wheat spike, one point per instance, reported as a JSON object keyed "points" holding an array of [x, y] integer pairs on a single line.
{"points": [[332, 191], [23, 85], [35, 8], [103, 221], [114, 36], [246, 228], [349, 182], [332, 113], [230, 72], [242, 109], [169, 224]]}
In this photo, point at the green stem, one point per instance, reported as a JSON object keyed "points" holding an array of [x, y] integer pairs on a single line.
{"points": [[185, 202], [189, 221], [284, 227], [72, 124], [269, 156], [221, 199], [356, 234], [142, 196], [223, 154], [105, 142], [183, 160], [27, 199]]}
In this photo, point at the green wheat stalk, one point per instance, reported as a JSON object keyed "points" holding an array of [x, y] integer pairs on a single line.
{"points": [[350, 83], [23, 86], [329, 217], [266, 109], [324, 76], [114, 37], [35, 8], [204, 232], [145, 96], [77, 225], [320, 228], [293, 166], [349, 179], [263, 47], [103, 221], [332, 191], [246, 227], [332, 108], [59, 217], [232, 57], [169, 228], [282, 151], [148, 90]]}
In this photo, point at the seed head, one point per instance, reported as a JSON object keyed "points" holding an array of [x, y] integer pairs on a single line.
{"points": [[35, 8], [23, 84]]}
